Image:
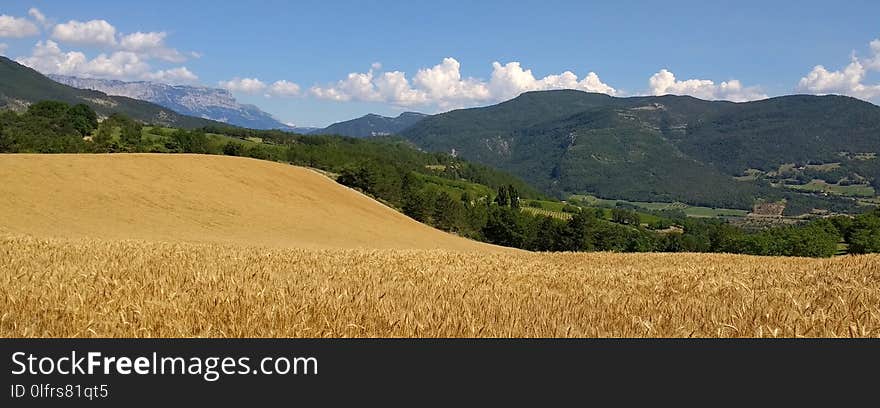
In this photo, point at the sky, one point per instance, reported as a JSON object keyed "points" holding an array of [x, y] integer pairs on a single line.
{"points": [[312, 63]]}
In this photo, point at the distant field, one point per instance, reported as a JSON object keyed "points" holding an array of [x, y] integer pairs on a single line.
{"points": [[691, 211], [856, 190], [89, 288], [548, 213], [455, 188]]}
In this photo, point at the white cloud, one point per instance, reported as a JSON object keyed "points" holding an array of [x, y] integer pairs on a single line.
{"points": [[15, 27], [357, 86], [395, 88], [284, 88], [94, 32], [151, 44], [444, 86], [243, 85], [664, 83], [849, 80], [121, 56], [48, 58], [511, 79], [37, 15], [174, 76], [120, 64]]}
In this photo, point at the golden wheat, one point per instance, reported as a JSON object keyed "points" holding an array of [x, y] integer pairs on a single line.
{"points": [[87, 288], [199, 198]]}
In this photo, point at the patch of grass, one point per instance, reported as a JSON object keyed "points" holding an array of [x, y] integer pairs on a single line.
{"points": [[455, 188], [821, 186], [691, 211], [823, 167]]}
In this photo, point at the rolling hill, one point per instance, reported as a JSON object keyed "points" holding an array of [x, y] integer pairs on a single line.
{"points": [[667, 148], [373, 125], [21, 86], [199, 198]]}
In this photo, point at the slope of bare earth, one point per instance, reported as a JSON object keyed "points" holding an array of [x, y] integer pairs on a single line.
{"points": [[199, 198]]}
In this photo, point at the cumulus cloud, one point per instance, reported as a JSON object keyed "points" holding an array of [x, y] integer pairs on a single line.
{"points": [[15, 27], [93, 32], [848, 81], [511, 79], [444, 86], [243, 85], [151, 44], [284, 88], [38, 16], [119, 56], [48, 57], [664, 83], [357, 86], [147, 45], [174, 76]]}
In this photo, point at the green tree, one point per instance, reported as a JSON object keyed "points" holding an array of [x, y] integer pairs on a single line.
{"points": [[82, 118], [864, 234], [447, 212], [504, 227], [233, 149], [503, 197], [417, 206]]}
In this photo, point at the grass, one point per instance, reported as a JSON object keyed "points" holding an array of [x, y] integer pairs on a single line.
{"points": [[821, 186], [455, 188], [689, 210], [93, 288], [554, 209], [824, 167]]}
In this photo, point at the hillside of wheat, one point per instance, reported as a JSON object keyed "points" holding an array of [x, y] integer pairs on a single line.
{"points": [[199, 198]]}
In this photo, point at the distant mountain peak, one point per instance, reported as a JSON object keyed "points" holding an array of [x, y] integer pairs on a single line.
{"points": [[21, 86], [371, 125], [199, 101]]}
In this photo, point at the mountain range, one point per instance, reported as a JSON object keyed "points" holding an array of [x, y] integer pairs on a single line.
{"points": [[20, 86], [208, 103], [805, 149]]}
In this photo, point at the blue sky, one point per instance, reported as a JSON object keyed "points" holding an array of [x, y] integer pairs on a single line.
{"points": [[738, 51]]}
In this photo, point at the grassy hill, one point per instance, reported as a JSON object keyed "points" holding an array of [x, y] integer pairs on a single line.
{"points": [[21, 86], [670, 148], [199, 198]]}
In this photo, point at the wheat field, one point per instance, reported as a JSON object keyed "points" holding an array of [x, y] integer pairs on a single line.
{"points": [[88, 288], [199, 198], [206, 246]]}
